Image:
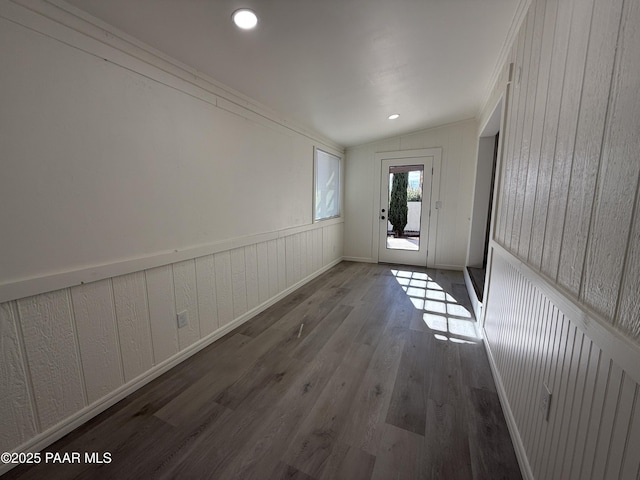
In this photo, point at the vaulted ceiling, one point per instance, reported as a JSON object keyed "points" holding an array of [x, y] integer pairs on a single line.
{"points": [[340, 67]]}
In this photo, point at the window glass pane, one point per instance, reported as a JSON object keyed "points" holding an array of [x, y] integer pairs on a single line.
{"points": [[327, 190], [405, 207]]}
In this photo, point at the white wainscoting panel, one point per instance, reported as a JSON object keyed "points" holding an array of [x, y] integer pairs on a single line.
{"points": [[52, 356], [17, 421], [162, 312], [185, 291], [536, 339], [207, 299], [96, 325], [134, 329], [69, 354]]}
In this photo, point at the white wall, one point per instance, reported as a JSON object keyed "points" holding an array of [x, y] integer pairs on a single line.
{"points": [[563, 292], [103, 164], [458, 142], [132, 189]]}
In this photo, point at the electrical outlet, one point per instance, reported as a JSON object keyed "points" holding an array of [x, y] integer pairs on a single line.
{"points": [[183, 319], [545, 402]]}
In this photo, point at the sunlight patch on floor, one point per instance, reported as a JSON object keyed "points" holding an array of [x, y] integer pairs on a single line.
{"points": [[442, 313]]}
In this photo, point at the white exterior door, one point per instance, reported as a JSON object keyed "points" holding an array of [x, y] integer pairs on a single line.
{"points": [[404, 223]]}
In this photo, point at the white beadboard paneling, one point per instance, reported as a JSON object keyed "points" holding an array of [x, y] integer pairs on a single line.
{"points": [[304, 259], [293, 259], [207, 302], [238, 282], [299, 250], [595, 460], [262, 253], [186, 295], [224, 292], [274, 282], [331, 243], [586, 414], [52, 353], [162, 313], [308, 253], [549, 377], [623, 413], [251, 268], [630, 462], [17, 421], [98, 338], [562, 391], [299, 255], [317, 247], [134, 329], [290, 260], [591, 423], [282, 264], [568, 385], [526, 403]]}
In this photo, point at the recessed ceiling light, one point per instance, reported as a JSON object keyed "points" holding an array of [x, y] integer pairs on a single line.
{"points": [[394, 116], [245, 19]]}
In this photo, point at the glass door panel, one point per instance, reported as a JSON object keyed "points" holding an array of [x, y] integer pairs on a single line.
{"points": [[404, 207]]}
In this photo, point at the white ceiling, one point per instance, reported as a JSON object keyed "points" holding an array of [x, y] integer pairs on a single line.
{"points": [[340, 67]]}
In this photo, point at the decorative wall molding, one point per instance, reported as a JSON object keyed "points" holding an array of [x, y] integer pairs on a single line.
{"points": [[49, 283]]}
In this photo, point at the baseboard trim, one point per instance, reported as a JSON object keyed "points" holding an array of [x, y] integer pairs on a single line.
{"points": [[521, 453], [475, 303], [61, 429], [444, 266], [360, 259]]}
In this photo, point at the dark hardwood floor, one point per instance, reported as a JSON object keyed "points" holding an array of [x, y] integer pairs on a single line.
{"points": [[386, 380]]}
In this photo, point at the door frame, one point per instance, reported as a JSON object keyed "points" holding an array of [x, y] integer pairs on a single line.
{"points": [[400, 255], [434, 204]]}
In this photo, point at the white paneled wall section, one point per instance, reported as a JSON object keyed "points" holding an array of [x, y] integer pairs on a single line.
{"points": [[70, 353], [539, 338], [562, 307], [133, 189]]}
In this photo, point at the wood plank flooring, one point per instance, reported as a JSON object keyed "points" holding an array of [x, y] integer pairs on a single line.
{"points": [[384, 381]]}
